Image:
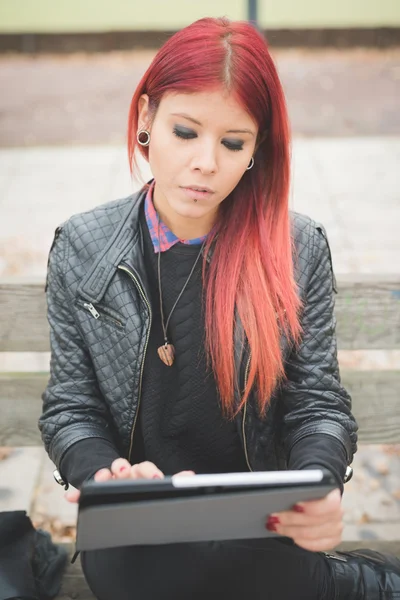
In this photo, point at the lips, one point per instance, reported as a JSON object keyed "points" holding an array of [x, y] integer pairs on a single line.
{"points": [[196, 195], [196, 188]]}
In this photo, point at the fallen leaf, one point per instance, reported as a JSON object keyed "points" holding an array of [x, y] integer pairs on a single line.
{"points": [[5, 452], [386, 502], [382, 468], [365, 518], [59, 532], [392, 449]]}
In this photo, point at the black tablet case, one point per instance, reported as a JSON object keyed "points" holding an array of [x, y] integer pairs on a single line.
{"points": [[210, 513]]}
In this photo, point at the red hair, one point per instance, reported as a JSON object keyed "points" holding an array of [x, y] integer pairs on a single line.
{"points": [[251, 274]]}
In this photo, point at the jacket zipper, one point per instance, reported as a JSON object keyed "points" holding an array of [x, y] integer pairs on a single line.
{"points": [[91, 309], [94, 312], [244, 415], [139, 287], [328, 555]]}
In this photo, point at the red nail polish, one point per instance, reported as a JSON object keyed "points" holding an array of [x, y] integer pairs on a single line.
{"points": [[274, 520], [123, 469], [298, 508], [270, 526]]}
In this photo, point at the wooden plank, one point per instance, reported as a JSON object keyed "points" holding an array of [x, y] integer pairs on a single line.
{"points": [[375, 396], [367, 312], [20, 408], [23, 321], [375, 405], [368, 315], [385, 546], [74, 587]]}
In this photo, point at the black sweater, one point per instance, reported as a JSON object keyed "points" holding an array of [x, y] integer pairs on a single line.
{"points": [[180, 415]]}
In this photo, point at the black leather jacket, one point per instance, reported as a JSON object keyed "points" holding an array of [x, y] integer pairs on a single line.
{"points": [[100, 315]]}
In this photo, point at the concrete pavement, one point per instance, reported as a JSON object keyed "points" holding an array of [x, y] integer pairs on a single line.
{"points": [[349, 184]]}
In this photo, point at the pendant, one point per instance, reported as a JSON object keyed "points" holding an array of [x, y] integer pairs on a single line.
{"points": [[167, 354]]}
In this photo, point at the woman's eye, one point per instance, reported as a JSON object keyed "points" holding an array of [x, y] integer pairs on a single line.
{"points": [[188, 135], [185, 135], [233, 147]]}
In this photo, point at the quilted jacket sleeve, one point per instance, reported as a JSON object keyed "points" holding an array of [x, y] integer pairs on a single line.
{"points": [[315, 405], [73, 408]]}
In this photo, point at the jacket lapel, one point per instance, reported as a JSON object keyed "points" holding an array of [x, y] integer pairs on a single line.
{"points": [[121, 243]]}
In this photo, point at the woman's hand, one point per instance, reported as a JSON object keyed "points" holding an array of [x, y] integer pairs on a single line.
{"points": [[318, 528], [122, 469]]}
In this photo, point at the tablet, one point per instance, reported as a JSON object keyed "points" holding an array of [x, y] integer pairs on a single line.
{"points": [[195, 508]]}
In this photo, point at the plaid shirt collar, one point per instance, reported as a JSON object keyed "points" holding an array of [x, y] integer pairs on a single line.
{"points": [[167, 238]]}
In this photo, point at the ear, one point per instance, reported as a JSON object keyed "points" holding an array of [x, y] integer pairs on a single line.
{"points": [[143, 112]]}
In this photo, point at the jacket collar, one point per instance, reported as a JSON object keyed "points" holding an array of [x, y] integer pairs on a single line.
{"points": [[124, 246], [120, 246]]}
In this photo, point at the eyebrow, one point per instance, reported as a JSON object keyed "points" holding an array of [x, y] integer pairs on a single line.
{"points": [[185, 116]]}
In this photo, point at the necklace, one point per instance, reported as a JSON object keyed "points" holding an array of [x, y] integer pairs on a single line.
{"points": [[167, 351]]}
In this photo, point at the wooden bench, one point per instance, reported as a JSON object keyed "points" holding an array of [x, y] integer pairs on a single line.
{"points": [[368, 319]]}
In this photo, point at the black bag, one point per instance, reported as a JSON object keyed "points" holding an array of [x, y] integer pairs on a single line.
{"points": [[31, 565]]}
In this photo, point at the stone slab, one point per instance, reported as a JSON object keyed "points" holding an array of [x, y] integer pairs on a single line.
{"points": [[19, 475], [50, 503], [350, 185]]}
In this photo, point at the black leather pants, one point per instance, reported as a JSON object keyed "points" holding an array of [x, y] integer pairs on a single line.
{"points": [[267, 569]]}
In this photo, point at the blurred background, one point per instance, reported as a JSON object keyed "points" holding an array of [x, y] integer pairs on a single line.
{"points": [[67, 74]]}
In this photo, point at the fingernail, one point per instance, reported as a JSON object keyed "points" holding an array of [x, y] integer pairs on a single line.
{"points": [[123, 469], [156, 477], [270, 526], [298, 508], [274, 520]]}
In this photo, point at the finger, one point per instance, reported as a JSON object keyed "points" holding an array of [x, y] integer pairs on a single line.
{"points": [[328, 529], [295, 519], [185, 473], [121, 468], [314, 511], [146, 470], [288, 519], [322, 506], [103, 475], [72, 496]]}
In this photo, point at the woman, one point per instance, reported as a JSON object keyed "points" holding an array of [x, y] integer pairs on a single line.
{"points": [[192, 330]]}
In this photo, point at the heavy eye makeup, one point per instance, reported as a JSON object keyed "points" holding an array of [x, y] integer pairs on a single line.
{"points": [[188, 134]]}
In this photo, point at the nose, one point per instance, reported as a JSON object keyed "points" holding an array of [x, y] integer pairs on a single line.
{"points": [[205, 159]]}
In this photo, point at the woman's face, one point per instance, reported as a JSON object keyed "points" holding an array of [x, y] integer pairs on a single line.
{"points": [[211, 146]]}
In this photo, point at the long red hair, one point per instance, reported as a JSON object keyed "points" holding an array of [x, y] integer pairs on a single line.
{"points": [[251, 274]]}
